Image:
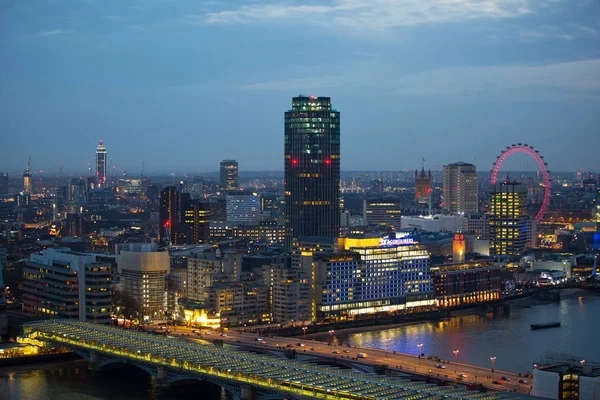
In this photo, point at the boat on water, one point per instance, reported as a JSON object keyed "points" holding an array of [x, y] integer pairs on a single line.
{"points": [[545, 326]]}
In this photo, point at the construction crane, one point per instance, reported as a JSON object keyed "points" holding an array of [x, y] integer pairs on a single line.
{"points": [[142, 174]]}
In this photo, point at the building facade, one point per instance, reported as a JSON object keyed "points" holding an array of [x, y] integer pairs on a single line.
{"points": [[464, 283], [507, 216], [58, 283], [195, 219], [243, 207], [143, 271], [168, 214], [460, 188], [382, 212], [371, 275], [229, 175], [312, 168]]}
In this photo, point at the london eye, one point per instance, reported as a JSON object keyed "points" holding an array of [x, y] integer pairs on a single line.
{"points": [[539, 159]]}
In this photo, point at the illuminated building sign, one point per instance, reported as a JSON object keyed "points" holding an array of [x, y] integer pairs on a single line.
{"points": [[396, 242]]}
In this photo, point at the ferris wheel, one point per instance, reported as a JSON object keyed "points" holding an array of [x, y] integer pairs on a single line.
{"points": [[535, 154]]}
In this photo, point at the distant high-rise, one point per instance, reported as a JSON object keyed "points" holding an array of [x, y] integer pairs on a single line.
{"points": [[376, 186], [508, 218], [101, 163], [28, 178], [195, 219], [169, 213], [422, 186], [460, 188], [3, 184], [312, 168], [229, 175]]}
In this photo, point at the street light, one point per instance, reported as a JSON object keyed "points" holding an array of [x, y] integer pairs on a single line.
{"points": [[493, 359], [582, 362], [304, 329], [455, 360], [420, 346], [331, 336], [386, 346]]}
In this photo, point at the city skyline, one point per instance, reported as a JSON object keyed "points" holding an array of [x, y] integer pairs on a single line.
{"points": [[442, 81]]}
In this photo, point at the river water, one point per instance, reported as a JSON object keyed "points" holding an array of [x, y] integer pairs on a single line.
{"points": [[477, 338], [510, 339]]}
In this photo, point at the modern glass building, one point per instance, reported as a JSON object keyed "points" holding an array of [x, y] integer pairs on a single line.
{"points": [[312, 168], [508, 218], [229, 175], [101, 163]]}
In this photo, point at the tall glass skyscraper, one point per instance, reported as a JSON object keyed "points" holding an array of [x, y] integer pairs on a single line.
{"points": [[101, 163], [312, 168]]}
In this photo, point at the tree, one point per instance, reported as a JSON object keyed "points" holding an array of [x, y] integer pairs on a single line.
{"points": [[125, 307]]}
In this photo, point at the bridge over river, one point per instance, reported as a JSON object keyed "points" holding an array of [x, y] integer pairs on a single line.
{"points": [[245, 374]]}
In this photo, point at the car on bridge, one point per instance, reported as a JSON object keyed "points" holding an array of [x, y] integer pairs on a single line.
{"points": [[440, 366], [522, 381], [505, 378]]}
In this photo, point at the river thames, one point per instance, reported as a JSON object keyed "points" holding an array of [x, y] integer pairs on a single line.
{"points": [[477, 338]]}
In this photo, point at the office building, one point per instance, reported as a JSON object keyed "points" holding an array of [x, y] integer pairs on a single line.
{"points": [[460, 188], [465, 283], [169, 214], [229, 175], [382, 212], [422, 186], [477, 224], [143, 270], [370, 275], [3, 184], [312, 168], [101, 164], [243, 207], [195, 219], [289, 293], [59, 283], [508, 219]]}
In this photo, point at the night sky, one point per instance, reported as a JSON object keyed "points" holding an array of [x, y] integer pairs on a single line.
{"points": [[181, 85]]}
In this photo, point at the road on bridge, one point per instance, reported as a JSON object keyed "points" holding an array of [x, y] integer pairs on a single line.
{"points": [[449, 370]]}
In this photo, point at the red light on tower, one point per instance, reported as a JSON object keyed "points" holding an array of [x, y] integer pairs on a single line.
{"points": [[294, 161], [167, 223], [327, 161]]}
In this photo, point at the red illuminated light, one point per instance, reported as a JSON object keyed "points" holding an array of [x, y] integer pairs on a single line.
{"points": [[294, 161], [327, 161]]}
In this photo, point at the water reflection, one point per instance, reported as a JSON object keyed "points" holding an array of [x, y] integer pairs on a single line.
{"points": [[73, 381], [510, 339]]}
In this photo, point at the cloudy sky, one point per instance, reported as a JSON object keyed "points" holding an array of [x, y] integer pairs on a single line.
{"points": [[181, 85]]}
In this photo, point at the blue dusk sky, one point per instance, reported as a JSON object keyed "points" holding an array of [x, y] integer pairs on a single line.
{"points": [[182, 85]]}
